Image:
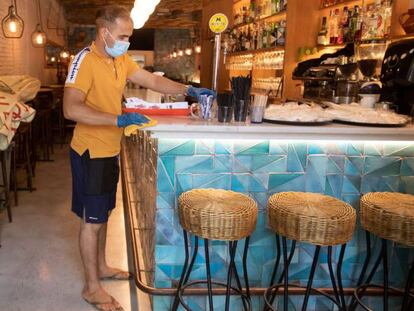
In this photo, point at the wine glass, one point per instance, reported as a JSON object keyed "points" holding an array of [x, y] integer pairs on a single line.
{"points": [[369, 54]]}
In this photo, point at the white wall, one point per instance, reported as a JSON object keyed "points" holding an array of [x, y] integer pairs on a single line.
{"points": [[18, 56]]}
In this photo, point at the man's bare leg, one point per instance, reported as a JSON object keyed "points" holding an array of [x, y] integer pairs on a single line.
{"points": [[104, 270], [93, 291]]}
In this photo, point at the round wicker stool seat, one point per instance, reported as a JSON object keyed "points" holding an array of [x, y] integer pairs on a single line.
{"points": [[311, 217], [389, 216], [217, 214]]}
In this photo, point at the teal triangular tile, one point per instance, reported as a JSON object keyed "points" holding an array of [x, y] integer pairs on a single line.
{"points": [[278, 148], [223, 164], [354, 165], [382, 166], [204, 147], [355, 149], [163, 180], [243, 164], [194, 164], [334, 184], [317, 148], [184, 183], [297, 157], [351, 184], [373, 149], [169, 166], [269, 164], [258, 182], [223, 147], [216, 181], [399, 149], [240, 183], [407, 167], [252, 148], [283, 181], [176, 147], [336, 165], [408, 184]]}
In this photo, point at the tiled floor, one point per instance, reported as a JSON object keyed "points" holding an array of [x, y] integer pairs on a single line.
{"points": [[40, 267]]}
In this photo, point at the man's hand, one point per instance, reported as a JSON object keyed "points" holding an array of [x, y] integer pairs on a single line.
{"points": [[128, 119], [197, 92]]}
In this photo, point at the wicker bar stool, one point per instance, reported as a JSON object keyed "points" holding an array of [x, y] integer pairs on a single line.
{"points": [[389, 216], [215, 214], [316, 219]]}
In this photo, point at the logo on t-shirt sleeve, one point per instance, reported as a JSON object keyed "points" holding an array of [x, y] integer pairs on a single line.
{"points": [[75, 66]]}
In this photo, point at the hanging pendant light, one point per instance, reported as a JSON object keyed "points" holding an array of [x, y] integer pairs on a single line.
{"points": [[39, 36], [12, 24]]}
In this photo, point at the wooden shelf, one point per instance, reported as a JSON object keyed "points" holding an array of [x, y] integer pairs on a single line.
{"points": [[272, 49], [263, 19], [320, 46], [343, 3], [402, 37]]}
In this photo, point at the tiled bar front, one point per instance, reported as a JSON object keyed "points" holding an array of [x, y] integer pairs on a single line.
{"points": [[259, 168]]}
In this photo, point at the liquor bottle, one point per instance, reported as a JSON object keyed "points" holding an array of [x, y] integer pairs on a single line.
{"points": [[264, 36], [323, 33], [248, 42], [333, 26], [259, 37], [274, 34], [343, 26], [252, 11], [281, 33], [283, 5], [387, 15], [378, 12], [274, 6]]}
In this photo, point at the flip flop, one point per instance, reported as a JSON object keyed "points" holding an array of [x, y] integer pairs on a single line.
{"points": [[100, 305], [119, 276]]}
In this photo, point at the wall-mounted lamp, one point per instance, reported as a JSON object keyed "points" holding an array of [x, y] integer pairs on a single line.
{"points": [[39, 36]]}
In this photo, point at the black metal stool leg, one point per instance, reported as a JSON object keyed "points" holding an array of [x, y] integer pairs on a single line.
{"points": [[408, 287], [339, 276], [312, 274], [353, 304], [274, 273], [385, 268], [239, 284], [209, 285], [232, 247], [331, 274], [246, 275], [183, 273], [286, 275], [195, 252]]}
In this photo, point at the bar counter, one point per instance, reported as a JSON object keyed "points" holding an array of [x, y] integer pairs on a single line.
{"points": [[180, 154]]}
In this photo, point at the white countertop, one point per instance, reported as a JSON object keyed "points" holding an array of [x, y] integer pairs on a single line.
{"points": [[186, 127]]}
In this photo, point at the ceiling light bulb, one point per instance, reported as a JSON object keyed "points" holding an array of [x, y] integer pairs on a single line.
{"points": [[180, 53], [175, 54], [53, 59], [188, 52], [142, 11], [198, 49]]}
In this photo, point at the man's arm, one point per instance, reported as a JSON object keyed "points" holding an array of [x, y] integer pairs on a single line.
{"points": [[157, 83], [75, 109]]}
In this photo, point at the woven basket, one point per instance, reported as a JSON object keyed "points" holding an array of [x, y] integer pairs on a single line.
{"points": [[216, 214], [311, 217], [389, 216]]}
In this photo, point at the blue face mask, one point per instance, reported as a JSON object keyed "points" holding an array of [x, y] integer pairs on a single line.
{"points": [[119, 48]]}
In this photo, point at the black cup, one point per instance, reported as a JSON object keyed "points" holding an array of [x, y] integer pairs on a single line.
{"points": [[240, 109], [225, 113]]}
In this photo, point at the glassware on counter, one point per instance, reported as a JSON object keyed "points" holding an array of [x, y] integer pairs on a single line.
{"points": [[240, 62], [269, 60], [270, 84]]}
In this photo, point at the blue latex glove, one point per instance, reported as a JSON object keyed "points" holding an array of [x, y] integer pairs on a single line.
{"points": [[128, 119], [197, 92]]}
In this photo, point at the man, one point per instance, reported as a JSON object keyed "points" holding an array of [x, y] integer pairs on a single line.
{"points": [[93, 95]]}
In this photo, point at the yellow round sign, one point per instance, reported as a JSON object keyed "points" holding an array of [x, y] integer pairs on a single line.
{"points": [[218, 23]]}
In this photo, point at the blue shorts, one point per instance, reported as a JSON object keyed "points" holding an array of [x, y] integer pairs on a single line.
{"points": [[94, 184]]}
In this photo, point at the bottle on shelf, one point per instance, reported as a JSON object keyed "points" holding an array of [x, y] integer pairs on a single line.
{"points": [[323, 33], [333, 26], [343, 27]]}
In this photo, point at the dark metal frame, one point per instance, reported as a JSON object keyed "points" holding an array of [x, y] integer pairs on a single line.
{"points": [[271, 292], [187, 269], [385, 288]]}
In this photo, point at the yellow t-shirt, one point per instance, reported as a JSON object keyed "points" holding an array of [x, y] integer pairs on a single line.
{"points": [[103, 80]]}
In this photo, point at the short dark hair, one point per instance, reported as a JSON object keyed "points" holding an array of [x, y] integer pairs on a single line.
{"points": [[108, 15]]}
